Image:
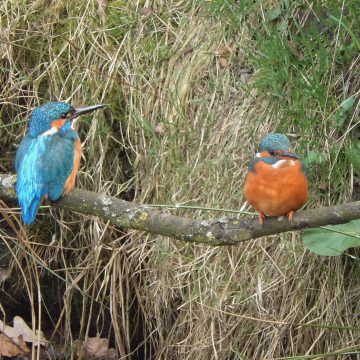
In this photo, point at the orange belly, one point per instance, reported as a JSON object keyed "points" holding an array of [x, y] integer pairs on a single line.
{"points": [[276, 192], [70, 182]]}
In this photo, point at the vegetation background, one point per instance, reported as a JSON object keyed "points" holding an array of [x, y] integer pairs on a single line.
{"points": [[191, 87]]}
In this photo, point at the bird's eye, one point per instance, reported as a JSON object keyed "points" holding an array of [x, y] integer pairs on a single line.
{"points": [[64, 116]]}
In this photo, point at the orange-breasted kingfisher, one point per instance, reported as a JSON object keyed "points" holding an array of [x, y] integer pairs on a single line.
{"points": [[48, 156], [276, 183]]}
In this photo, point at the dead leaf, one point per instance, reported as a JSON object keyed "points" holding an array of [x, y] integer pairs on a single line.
{"points": [[96, 348], [245, 75], [20, 328], [159, 129], [226, 49], [146, 11], [189, 49], [223, 62], [9, 348], [222, 54], [4, 273], [323, 185]]}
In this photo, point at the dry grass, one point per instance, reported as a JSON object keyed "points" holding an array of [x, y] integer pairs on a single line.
{"points": [[156, 297]]}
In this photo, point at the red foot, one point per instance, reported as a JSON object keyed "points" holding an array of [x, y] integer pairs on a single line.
{"points": [[261, 218], [290, 215]]}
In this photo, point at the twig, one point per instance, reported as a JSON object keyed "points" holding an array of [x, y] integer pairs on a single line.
{"points": [[221, 231]]}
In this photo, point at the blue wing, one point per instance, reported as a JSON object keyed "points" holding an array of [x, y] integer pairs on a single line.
{"points": [[43, 165], [268, 160], [273, 160]]}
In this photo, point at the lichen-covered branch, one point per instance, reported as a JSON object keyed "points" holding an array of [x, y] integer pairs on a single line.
{"points": [[211, 232]]}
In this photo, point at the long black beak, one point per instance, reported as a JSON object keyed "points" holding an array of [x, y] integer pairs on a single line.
{"points": [[85, 110]]}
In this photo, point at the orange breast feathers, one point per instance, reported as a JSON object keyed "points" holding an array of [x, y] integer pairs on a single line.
{"points": [[276, 191], [70, 182]]}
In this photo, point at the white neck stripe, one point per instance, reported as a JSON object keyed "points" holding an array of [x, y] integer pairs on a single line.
{"points": [[282, 162], [51, 131]]}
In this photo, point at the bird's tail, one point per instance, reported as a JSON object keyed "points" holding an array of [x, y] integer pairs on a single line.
{"points": [[29, 209]]}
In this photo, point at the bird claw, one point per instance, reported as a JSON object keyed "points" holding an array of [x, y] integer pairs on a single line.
{"points": [[290, 215], [262, 218]]}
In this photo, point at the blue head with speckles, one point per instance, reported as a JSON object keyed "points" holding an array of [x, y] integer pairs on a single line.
{"points": [[273, 142], [42, 117]]}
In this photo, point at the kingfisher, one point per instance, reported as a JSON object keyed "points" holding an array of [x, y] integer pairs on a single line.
{"points": [[276, 183], [48, 156]]}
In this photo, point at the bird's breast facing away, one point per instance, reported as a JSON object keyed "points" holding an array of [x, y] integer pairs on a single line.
{"points": [[43, 165], [275, 190]]}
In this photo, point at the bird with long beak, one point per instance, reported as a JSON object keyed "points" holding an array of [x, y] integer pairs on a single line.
{"points": [[48, 157], [276, 183]]}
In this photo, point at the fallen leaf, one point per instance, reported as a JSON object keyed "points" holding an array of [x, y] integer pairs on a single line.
{"points": [[4, 273], [223, 62], [159, 129], [10, 349], [245, 75], [146, 11], [226, 49], [21, 329], [189, 49], [222, 53], [95, 348], [323, 185]]}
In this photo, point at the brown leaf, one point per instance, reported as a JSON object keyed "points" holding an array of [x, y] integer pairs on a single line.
{"points": [[159, 129], [189, 49], [146, 11], [4, 273], [223, 62], [226, 49], [323, 185], [97, 348], [9, 348], [245, 75], [21, 329]]}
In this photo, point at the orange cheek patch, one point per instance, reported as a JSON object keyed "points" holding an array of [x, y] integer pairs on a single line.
{"points": [[264, 154], [58, 123]]}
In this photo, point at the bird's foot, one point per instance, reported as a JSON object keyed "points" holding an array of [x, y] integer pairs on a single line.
{"points": [[290, 215], [262, 218]]}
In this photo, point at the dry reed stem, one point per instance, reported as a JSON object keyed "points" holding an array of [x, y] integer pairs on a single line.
{"points": [[162, 69]]}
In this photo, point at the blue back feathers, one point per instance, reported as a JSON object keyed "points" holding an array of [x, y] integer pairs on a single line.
{"points": [[42, 116], [44, 163], [274, 141]]}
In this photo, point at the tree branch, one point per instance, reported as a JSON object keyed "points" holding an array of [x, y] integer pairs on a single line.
{"points": [[212, 232]]}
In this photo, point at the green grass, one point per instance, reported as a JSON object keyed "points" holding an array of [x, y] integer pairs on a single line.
{"points": [[164, 69]]}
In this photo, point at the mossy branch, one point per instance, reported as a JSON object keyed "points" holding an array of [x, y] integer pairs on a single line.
{"points": [[211, 232]]}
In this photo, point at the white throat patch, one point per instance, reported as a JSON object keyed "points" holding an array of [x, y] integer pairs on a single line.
{"points": [[73, 123], [282, 162], [51, 131]]}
